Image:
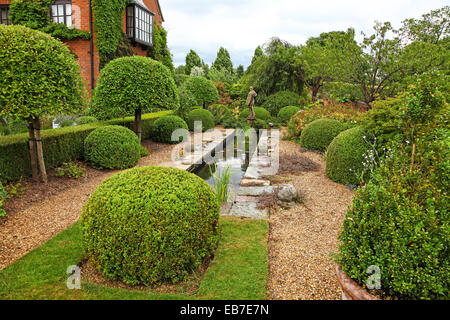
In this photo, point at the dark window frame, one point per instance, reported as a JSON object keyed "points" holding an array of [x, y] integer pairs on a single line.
{"points": [[4, 7], [134, 23], [66, 16]]}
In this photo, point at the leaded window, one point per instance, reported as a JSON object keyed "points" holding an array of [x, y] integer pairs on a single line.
{"points": [[61, 12], [140, 23], [4, 14]]}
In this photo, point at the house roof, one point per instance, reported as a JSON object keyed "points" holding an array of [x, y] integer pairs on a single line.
{"points": [[141, 3], [160, 11]]}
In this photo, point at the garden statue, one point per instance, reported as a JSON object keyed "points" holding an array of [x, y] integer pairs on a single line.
{"points": [[251, 104]]}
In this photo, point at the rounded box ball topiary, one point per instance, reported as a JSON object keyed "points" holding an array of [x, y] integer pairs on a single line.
{"points": [[112, 147], [150, 225], [345, 156], [318, 134], [206, 118], [164, 127], [286, 113], [260, 113]]}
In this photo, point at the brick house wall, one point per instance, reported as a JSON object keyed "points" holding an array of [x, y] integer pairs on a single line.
{"points": [[82, 48]]}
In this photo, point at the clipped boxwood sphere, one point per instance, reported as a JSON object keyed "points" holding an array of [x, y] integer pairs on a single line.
{"points": [[319, 134], [260, 113], [165, 126], [202, 115], [150, 225], [286, 113], [345, 156], [112, 147]]}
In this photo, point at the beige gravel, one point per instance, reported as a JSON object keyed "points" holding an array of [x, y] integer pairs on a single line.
{"points": [[26, 230], [302, 238]]}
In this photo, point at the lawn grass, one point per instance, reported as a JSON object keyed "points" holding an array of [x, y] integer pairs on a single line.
{"points": [[238, 271]]}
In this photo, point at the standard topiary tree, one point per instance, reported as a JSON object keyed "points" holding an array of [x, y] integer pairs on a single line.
{"points": [[206, 118], [112, 147], [150, 225], [345, 157], [164, 127], [286, 113], [39, 77], [202, 89], [318, 134], [260, 113], [279, 100], [132, 85]]}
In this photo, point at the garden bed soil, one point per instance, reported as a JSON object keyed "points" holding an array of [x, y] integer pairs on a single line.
{"points": [[302, 238], [43, 211]]}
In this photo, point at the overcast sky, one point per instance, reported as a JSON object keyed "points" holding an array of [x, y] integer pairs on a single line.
{"points": [[242, 25]]}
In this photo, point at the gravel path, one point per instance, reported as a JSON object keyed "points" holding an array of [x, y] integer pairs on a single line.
{"points": [[302, 238], [25, 230]]}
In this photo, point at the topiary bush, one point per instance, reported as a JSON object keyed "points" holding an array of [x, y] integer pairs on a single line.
{"points": [[202, 89], [279, 100], [150, 225], [286, 113], [220, 112], [86, 120], [318, 134], [345, 157], [202, 115], [112, 147], [165, 126], [399, 222], [260, 113]]}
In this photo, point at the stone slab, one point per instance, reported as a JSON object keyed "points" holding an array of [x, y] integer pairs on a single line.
{"points": [[249, 210], [255, 191], [254, 183]]}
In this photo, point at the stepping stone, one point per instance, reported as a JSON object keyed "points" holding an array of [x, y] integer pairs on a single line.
{"points": [[254, 183], [249, 210], [255, 191]]}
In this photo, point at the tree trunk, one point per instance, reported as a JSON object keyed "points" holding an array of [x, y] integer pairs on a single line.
{"points": [[314, 93], [32, 149], [40, 152], [138, 123]]}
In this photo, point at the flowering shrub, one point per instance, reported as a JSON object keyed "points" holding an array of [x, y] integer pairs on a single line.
{"points": [[318, 110]]}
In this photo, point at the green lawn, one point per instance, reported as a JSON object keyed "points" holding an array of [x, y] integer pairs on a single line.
{"points": [[238, 272]]}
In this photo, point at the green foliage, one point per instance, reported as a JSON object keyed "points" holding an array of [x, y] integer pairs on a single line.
{"points": [[220, 112], [164, 127], [223, 61], [432, 27], [46, 81], [34, 14], [221, 183], [318, 134], [218, 74], [86, 120], [180, 79], [206, 118], [131, 83], [279, 100], [286, 113], [150, 225], [112, 147], [110, 40], [203, 90], [3, 196], [260, 113], [187, 102], [260, 124], [71, 170], [160, 51], [400, 223], [192, 60], [345, 157]]}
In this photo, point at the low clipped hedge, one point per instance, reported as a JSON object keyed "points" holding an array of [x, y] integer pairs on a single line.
{"points": [[318, 134], [150, 225], [202, 115], [345, 157], [60, 145], [86, 120], [260, 113], [112, 147], [286, 113], [164, 127]]}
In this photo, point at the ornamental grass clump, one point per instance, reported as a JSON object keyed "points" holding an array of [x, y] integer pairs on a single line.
{"points": [[318, 134], [112, 147], [150, 225]]}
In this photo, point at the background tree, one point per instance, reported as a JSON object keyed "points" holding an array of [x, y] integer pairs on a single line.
{"points": [[192, 60], [223, 61], [39, 77], [240, 71], [160, 51], [432, 27], [133, 85], [203, 90]]}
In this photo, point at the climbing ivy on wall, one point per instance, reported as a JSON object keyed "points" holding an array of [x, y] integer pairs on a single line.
{"points": [[111, 41], [160, 51], [34, 14]]}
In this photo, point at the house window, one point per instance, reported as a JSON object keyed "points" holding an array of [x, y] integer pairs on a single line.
{"points": [[140, 23], [61, 12], [4, 15]]}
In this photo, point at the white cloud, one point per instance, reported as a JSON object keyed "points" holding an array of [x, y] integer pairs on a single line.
{"points": [[240, 26]]}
